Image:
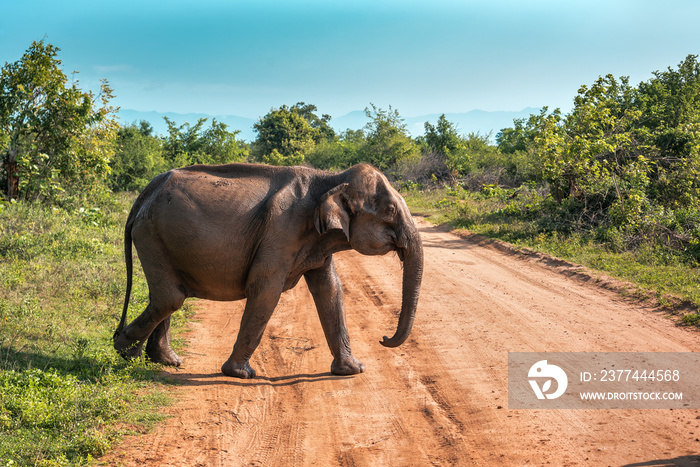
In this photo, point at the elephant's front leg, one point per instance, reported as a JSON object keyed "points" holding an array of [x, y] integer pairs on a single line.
{"points": [[327, 292], [261, 302]]}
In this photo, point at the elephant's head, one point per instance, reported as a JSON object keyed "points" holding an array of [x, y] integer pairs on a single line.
{"points": [[376, 220]]}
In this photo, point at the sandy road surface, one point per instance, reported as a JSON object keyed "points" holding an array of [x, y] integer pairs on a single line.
{"points": [[441, 398]]}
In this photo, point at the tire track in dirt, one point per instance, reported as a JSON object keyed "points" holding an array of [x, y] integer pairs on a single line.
{"points": [[441, 398]]}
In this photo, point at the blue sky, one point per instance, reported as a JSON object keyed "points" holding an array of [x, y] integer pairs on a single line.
{"points": [[245, 57]]}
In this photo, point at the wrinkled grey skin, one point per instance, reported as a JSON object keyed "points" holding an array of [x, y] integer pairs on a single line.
{"points": [[248, 231]]}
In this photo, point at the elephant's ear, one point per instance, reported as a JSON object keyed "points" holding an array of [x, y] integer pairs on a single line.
{"points": [[332, 212]]}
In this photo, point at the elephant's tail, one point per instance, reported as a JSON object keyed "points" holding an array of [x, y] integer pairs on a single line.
{"points": [[129, 269]]}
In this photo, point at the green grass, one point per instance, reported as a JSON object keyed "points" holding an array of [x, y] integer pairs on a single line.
{"points": [[519, 218], [65, 396]]}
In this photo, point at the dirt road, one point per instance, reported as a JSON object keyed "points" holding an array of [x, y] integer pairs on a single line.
{"points": [[441, 398]]}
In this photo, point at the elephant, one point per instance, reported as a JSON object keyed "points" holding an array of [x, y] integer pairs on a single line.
{"points": [[248, 231]]}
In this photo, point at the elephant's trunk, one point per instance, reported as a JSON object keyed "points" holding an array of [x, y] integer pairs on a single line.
{"points": [[412, 275]]}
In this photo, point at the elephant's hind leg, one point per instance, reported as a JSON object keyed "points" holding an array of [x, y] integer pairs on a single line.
{"points": [[158, 346], [166, 295], [153, 324]]}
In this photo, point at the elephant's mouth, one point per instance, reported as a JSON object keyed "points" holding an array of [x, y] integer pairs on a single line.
{"points": [[374, 244], [376, 251], [400, 253]]}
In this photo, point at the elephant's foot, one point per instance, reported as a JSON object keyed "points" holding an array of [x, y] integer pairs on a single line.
{"points": [[238, 370], [128, 351], [347, 366], [165, 356]]}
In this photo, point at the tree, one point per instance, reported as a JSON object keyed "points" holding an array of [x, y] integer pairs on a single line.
{"points": [[221, 146], [138, 158], [625, 163], [53, 134], [341, 153], [670, 99], [670, 103], [598, 155], [189, 144], [443, 137], [183, 142], [451, 148], [387, 140], [284, 136], [517, 138], [324, 132]]}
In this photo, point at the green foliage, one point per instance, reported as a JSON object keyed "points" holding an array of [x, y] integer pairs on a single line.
{"points": [[340, 153], [384, 143], [443, 137], [449, 146], [470, 160], [669, 99], [55, 137], [624, 161], [138, 158], [65, 395], [140, 155], [322, 130], [220, 146], [519, 145], [276, 158], [670, 103], [517, 138], [479, 155], [595, 148], [286, 135], [191, 144], [387, 140]]}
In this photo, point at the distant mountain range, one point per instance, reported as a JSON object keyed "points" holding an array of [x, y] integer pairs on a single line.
{"points": [[473, 121]]}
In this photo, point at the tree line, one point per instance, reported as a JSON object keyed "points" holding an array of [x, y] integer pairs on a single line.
{"points": [[624, 164], [59, 142], [626, 157]]}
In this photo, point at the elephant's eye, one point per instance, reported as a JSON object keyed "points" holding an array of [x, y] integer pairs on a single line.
{"points": [[391, 210]]}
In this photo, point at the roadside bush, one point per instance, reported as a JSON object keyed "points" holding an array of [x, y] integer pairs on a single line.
{"points": [[427, 170]]}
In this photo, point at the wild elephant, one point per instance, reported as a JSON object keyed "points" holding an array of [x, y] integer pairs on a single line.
{"points": [[249, 231]]}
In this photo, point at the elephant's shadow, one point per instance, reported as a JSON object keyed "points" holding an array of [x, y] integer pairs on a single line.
{"points": [[208, 379]]}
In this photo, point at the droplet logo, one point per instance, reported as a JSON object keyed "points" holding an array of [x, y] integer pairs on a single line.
{"points": [[542, 370]]}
